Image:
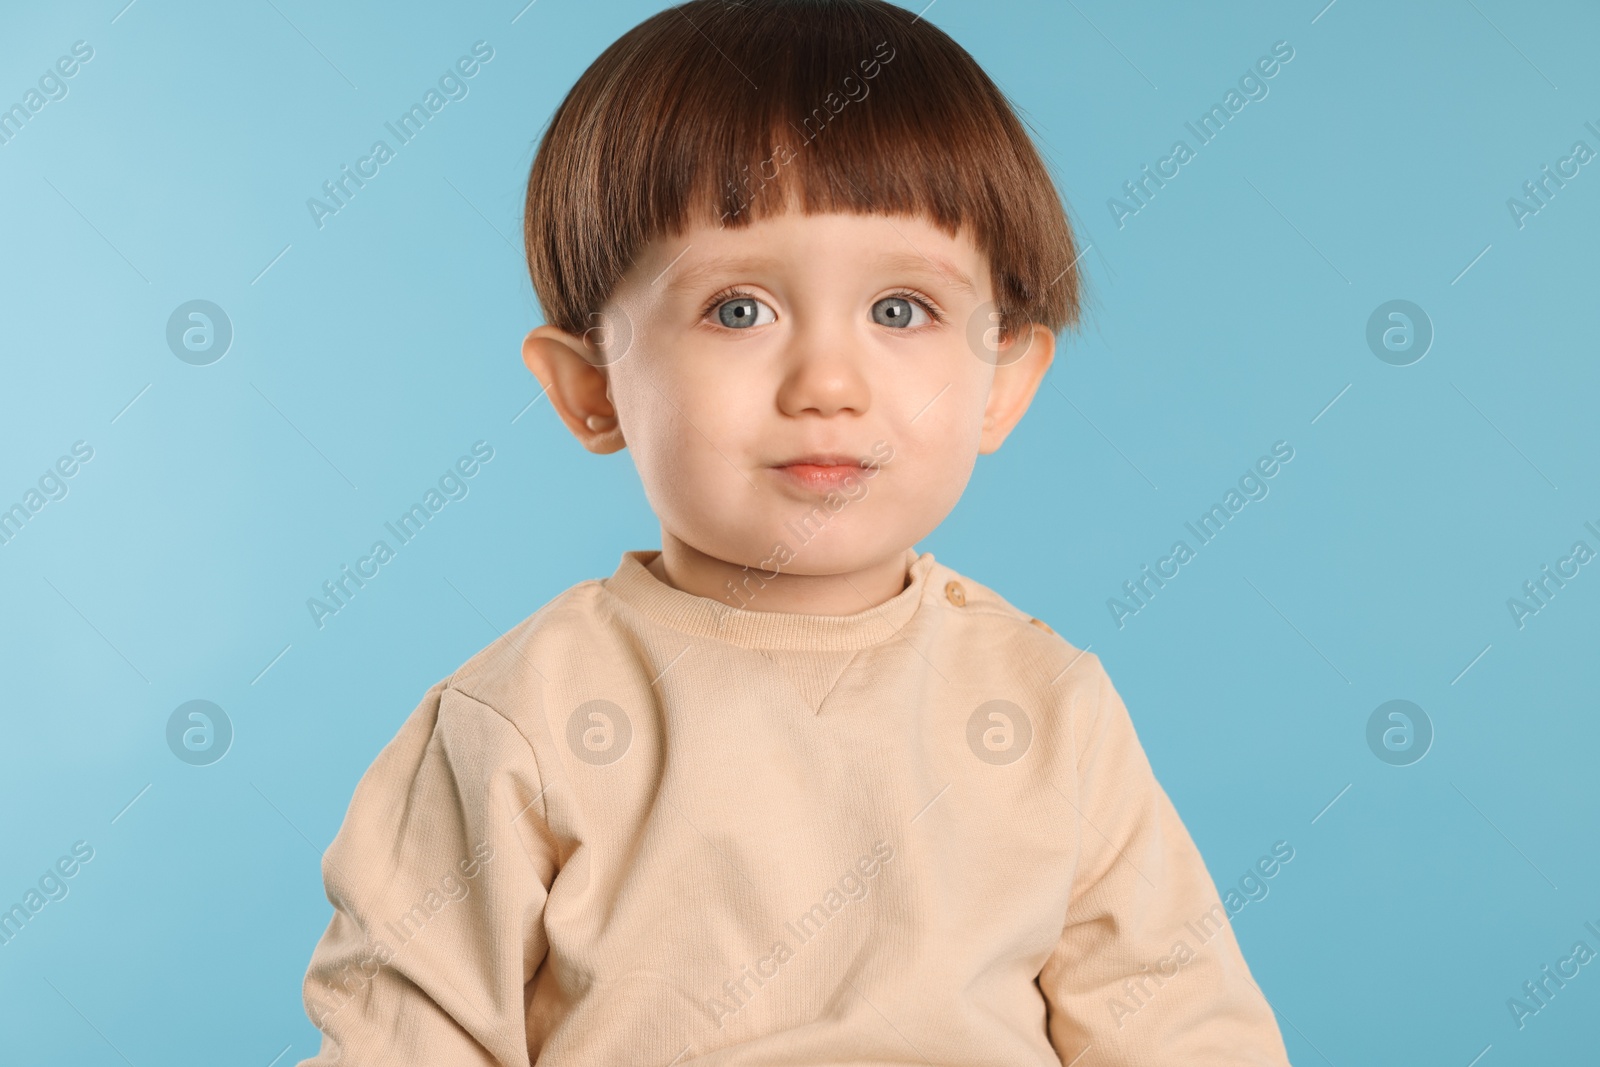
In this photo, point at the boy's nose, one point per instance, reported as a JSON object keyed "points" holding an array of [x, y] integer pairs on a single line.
{"points": [[823, 375]]}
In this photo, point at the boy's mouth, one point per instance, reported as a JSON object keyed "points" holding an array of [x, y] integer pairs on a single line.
{"points": [[821, 473]]}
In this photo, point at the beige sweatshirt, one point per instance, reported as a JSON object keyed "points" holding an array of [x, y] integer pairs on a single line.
{"points": [[645, 827]]}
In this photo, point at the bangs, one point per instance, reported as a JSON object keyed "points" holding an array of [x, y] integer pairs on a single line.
{"points": [[724, 113]]}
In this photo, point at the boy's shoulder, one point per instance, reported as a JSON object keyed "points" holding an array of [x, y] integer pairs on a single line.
{"points": [[971, 596], [502, 672], [1029, 649], [1030, 643]]}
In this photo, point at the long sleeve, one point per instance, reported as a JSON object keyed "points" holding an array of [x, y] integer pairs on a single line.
{"points": [[438, 878], [1147, 970]]}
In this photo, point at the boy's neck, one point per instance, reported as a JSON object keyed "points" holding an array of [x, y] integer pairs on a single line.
{"points": [[847, 593]]}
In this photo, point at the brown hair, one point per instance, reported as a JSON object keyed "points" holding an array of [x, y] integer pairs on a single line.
{"points": [[844, 105]]}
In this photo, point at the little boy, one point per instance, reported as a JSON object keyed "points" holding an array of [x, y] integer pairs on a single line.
{"points": [[786, 791]]}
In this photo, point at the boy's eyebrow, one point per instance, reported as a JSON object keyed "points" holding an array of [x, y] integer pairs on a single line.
{"points": [[933, 265], [945, 270], [690, 276]]}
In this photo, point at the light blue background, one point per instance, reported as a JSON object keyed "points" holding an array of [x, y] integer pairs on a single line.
{"points": [[1225, 316]]}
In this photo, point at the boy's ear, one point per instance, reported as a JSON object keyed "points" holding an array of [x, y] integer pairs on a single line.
{"points": [[1020, 364], [579, 389]]}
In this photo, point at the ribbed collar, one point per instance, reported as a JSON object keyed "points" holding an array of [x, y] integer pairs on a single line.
{"points": [[701, 616]]}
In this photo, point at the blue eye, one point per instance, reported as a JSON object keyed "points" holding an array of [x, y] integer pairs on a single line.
{"points": [[899, 312], [742, 311]]}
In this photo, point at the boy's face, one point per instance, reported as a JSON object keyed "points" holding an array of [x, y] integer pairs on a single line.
{"points": [[725, 355]]}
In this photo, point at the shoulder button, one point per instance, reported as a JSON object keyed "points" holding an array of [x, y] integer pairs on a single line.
{"points": [[955, 594], [1040, 623]]}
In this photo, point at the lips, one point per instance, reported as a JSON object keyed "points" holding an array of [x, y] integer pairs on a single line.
{"points": [[822, 459], [820, 471]]}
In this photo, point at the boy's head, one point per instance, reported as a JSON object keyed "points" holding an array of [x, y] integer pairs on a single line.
{"points": [[781, 229]]}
